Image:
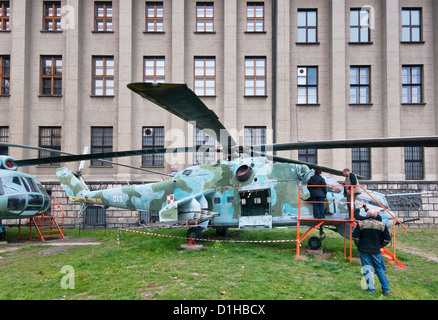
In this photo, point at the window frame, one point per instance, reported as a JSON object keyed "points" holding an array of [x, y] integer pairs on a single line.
{"points": [[5, 18], [361, 161], [104, 76], [53, 76], [255, 76], [255, 19], [200, 140], [55, 19], [254, 135], [308, 155], [156, 160], [411, 171], [101, 146], [307, 27], [104, 18], [155, 77], [411, 26], [158, 22], [359, 85], [307, 86], [204, 19], [204, 76], [411, 85], [4, 137], [53, 135], [359, 26], [5, 90]]}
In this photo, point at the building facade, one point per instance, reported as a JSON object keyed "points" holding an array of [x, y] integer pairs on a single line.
{"points": [[273, 71]]}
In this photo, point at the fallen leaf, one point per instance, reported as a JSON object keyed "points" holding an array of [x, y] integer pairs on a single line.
{"points": [[223, 292]]}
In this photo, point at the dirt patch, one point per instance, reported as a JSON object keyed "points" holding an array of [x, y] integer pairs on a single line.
{"points": [[418, 252], [54, 246]]}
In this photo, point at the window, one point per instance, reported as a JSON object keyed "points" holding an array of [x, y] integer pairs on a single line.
{"points": [[103, 17], [153, 69], [359, 85], [205, 76], [154, 17], [103, 76], [4, 15], [5, 71], [414, 163], [307, 85], [254, 136], [359, 26], [51, 76], [411, 84], [361, 161], [49, 137], [255, 76], [204, 17], [4, 137], [307, 26], [101, 141], [52, 16], [203, 141], [411, 25], [255, 21], [152, 137], [308, 155]]}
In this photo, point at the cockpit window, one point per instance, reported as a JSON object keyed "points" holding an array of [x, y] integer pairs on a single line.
{"points": [[13, 185], [40, 186], [30, 185]]}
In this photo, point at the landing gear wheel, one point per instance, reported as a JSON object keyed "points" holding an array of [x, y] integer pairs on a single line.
{"points": [[196, 232], [222, 232], [314, 243]]}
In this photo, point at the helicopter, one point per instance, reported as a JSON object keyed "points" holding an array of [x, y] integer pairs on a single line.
{"points": [[249, 188]]}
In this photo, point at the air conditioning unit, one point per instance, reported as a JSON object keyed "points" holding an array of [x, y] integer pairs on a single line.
{"points": [[302, 72], [148, 132]]}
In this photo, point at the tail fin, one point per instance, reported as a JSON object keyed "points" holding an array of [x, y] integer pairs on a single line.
{"points": [[73, 186]]}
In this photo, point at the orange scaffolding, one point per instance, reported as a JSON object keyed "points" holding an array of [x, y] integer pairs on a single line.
{"points": [[316, 223]]}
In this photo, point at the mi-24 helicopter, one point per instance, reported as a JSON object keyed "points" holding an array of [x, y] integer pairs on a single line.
{"points": [[258, 190]]}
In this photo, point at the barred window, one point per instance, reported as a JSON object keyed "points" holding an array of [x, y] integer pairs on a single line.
{"points": [[308, 155], [4, 137], [254, 136], [152, 137], [414, 163], [101, 141], [50, 138], [204, 141], [361, 161]]}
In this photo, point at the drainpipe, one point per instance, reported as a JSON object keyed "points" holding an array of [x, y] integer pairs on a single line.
{"points": [[274, 71]]}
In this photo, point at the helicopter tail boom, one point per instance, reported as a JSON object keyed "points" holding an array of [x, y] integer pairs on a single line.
{"points": [[73, 186]]}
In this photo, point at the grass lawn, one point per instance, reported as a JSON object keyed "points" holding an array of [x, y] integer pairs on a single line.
{"points": [[150, 267]]}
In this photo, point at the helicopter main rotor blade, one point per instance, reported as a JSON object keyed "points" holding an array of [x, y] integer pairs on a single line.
{"points": [[426, 141], [115, 154], [185, 104]]}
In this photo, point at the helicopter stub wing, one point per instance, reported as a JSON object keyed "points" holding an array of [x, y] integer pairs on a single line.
{"points": [[179, 100]]}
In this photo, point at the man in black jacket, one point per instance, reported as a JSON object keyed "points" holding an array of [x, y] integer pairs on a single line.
{"points": [[370, 236], [318, 193]]}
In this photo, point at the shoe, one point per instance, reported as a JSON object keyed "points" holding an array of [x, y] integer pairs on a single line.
{"points": [[386, 293]]}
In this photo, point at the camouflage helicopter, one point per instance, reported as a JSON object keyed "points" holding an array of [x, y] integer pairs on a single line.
{"points": [[254, 191]]}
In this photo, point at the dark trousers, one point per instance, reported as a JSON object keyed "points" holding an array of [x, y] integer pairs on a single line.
{"points": [[318, 207]]}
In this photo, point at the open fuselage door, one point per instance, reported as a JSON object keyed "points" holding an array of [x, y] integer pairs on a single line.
{"points": [[255, 209]]}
